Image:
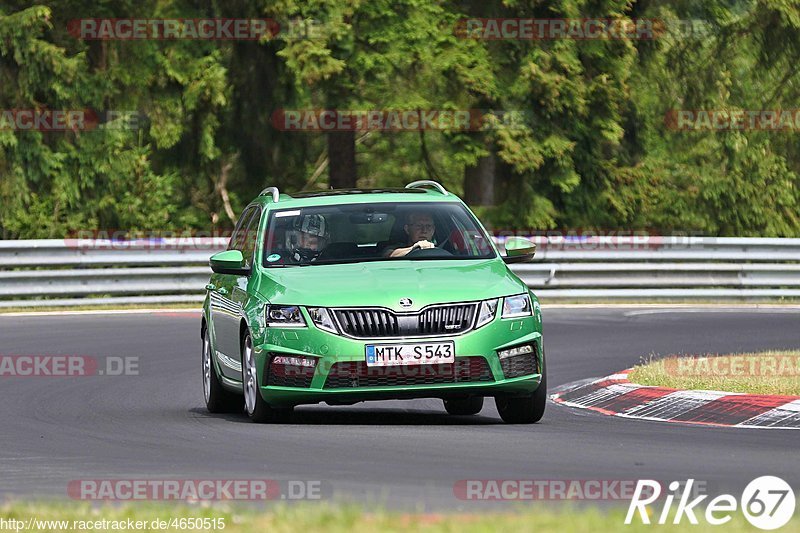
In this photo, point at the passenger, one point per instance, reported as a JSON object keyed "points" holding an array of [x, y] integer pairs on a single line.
{"points": [[311, 236]]}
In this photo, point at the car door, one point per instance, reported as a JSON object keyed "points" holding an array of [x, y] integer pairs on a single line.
{"points": [[224, 312], [238, 293]]}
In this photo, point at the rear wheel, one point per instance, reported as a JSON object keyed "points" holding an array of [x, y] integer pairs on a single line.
{"points": [[524, 409], [257, 409], [218, 399], [464, 406]]}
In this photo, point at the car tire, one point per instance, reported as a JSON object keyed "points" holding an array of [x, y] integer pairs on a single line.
{"points": [[524, 409], [464, 406], [255, 406], [218, 398]]}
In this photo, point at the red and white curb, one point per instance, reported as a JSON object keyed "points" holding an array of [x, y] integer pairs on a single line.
{"points": [[616, 396]]}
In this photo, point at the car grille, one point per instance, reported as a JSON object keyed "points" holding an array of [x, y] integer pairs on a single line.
{"points": [[521, 365], [434, 320], [289, 375], [354, 374]]}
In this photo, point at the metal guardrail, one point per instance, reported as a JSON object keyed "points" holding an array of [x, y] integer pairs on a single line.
{"points": [[65, 272], [101, 252]]}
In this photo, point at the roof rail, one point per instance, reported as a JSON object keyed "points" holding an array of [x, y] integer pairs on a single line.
{"points": [[276, 194], [427, 183]]}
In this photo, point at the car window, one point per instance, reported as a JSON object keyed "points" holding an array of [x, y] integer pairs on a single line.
{"points": [[249, 238], [237, 237], [465, 240], [369, 232]]}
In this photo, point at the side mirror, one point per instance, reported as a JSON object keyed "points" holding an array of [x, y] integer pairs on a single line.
{"points": [[229, 262], [519, 250]]}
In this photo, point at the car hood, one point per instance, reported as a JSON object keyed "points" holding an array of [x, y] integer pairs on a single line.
{"points": [[384, 283]]}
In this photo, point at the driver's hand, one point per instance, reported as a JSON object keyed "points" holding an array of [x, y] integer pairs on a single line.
{"points": [[424, 245]]}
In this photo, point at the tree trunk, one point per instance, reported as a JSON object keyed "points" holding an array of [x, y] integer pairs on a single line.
{"points": [[479, 181], [342, 159]]}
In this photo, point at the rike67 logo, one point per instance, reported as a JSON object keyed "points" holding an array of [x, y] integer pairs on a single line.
{"points": [[767, 502]]}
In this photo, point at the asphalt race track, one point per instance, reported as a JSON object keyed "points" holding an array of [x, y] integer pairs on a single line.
{"points": [[404, 454]]}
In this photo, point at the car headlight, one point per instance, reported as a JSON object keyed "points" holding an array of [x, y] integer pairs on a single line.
{"points": [[487, 312], [285, 316], [322, 318], [515, 306]]}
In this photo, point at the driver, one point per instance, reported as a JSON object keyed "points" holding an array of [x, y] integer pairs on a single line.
{"points": [[419, 229], [311, 236]]}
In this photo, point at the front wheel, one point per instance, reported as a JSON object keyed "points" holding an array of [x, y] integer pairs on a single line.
{"points": [[524, 409], [257, 409], [464, 406]]}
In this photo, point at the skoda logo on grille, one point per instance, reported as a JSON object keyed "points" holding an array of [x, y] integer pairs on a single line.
{"points": [[406, 302]]}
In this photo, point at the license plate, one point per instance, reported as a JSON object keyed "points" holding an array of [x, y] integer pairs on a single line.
{"points": [[423, 353]]}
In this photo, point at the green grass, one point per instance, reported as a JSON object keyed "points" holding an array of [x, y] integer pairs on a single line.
{"points": [[537, 517], [771, 372]]}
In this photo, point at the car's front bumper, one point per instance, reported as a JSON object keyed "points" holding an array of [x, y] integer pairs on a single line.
{"points": [[330, 349]]}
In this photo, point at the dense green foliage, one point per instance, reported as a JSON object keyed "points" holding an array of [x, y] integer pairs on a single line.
{"points": [[595, 151]]}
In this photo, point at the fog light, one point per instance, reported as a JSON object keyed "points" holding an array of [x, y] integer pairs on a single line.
{"points": [[291, 371], [518, 350], [294, 361]]}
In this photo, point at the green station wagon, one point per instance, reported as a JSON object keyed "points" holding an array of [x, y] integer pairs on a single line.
{"points": [[350, 295]]}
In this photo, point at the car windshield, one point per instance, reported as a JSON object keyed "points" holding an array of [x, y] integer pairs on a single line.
{"points": [[348, 233]]}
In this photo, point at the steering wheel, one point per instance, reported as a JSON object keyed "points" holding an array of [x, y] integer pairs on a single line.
{"points": [[429, 252]]}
